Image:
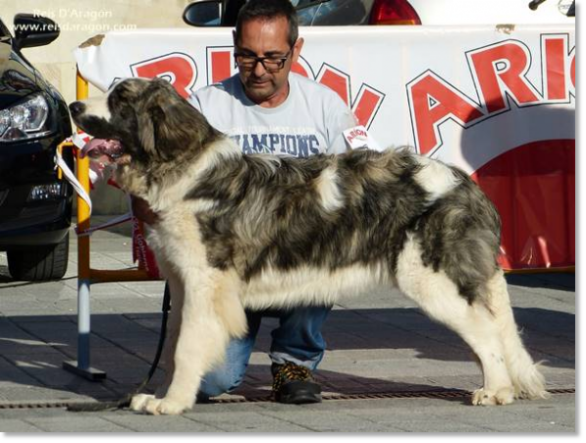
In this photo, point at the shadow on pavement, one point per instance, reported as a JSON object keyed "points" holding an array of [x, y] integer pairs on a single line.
{"points": [[32, 349]]}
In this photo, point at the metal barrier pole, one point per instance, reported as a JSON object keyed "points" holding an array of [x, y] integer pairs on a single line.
{"points": [[82, 365]]}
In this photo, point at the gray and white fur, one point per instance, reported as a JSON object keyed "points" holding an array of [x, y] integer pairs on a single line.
{"points": [[242, 231]]}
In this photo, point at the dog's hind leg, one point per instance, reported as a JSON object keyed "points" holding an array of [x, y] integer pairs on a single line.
{"points": [[527, 380], [439, 298], [203, 337]]}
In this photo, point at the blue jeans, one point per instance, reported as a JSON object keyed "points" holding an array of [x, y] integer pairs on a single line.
{"points": [[298, 339]]}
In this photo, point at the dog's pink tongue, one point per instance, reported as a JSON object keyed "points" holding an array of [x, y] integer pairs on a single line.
{"points": [[101, 149], [92, 148]]}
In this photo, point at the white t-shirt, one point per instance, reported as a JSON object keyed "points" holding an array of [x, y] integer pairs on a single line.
{"points": [[310, 121]]}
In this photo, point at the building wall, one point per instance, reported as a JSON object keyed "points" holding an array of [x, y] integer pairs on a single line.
{"points": [[80, 20]]}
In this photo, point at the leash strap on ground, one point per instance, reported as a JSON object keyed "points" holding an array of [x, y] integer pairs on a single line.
{"points": [[125, 401]]}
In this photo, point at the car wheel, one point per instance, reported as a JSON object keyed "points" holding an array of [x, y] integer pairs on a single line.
{"points": [[39, 263]]}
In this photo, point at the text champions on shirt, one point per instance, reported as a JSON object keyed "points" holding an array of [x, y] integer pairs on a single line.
{"points": [[295, 145]]}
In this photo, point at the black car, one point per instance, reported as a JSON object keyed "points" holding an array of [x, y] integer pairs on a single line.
{"points": [[393, 12], [35, 204], [310, 12]]}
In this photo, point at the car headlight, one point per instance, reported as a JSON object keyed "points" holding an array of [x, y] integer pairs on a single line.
{"points": [[25, 120]]}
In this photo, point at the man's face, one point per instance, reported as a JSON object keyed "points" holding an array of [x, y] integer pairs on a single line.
{"points": [[267, 38]]}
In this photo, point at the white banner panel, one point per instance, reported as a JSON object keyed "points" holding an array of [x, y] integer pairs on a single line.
{"points": [[464, 95], [491, 100]]}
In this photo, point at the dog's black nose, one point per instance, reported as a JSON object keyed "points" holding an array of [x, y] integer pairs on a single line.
{"points": [[76, 108]]}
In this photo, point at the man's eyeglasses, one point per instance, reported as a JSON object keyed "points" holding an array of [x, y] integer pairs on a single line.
{"points": [[272, 64]]}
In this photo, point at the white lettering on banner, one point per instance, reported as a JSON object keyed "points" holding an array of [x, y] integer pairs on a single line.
{"points": [[499, 72]]}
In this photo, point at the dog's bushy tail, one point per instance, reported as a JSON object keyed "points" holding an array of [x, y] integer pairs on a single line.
{"points": [[524, 372]]}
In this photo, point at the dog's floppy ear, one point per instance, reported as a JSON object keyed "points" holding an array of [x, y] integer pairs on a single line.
{"points": [[168, 124], [152, 115], [146, 132]]}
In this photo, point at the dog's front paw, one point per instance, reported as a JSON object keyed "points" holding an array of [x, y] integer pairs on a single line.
{"points": [[157, 406], [503, 396], [139, 401]]}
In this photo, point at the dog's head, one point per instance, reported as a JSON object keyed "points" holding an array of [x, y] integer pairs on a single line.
{"points": [[140, 120]]}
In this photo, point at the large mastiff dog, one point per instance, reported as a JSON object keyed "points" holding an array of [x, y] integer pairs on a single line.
{"points": [[258, 231]]}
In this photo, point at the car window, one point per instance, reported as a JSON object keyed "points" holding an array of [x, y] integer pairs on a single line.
{"points": [[332, 12], [298, 3], [307, 15]]}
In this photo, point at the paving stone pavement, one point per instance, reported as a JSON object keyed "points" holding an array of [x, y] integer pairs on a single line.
{"points": [[377, 343]]}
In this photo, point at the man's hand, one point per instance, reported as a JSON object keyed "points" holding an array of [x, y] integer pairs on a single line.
{"points": [[142, 211]]}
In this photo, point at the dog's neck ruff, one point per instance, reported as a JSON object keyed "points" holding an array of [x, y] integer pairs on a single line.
{"points": [[172, 182]]}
